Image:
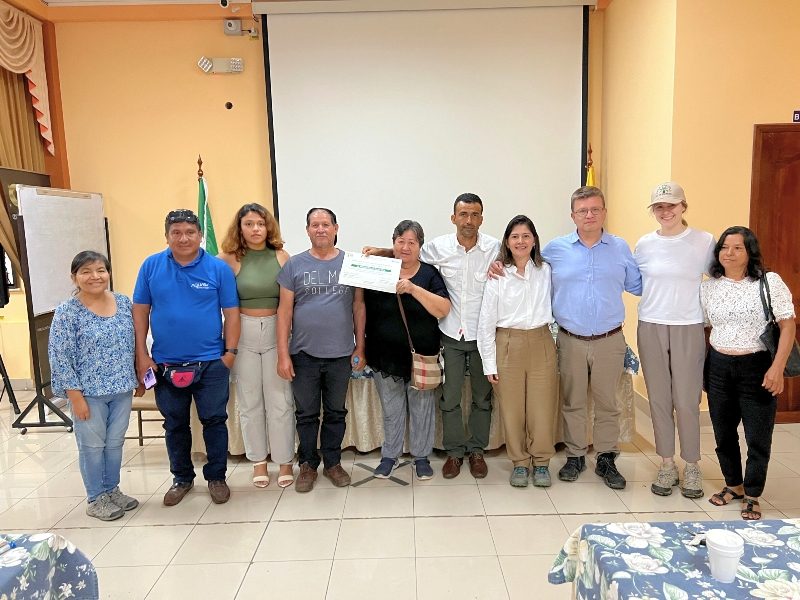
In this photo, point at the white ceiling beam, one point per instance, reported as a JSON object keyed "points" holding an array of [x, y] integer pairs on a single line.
{"points": [[328, 6]]}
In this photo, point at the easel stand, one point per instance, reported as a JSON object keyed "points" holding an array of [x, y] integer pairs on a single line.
{"points": [[40, 333], [7, 387], [40, 402]]}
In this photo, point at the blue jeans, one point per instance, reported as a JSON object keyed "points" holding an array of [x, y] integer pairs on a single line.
{"points": [[100, 440], [210, 392], [320, 381]]}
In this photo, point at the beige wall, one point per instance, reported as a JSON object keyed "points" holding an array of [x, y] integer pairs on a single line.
{"points": [[15, 345], [637, 111], [595, 108], [736, 66], [138, 111], [684, 82], [638, 82]]}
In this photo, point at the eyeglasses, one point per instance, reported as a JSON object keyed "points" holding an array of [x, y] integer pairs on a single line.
{"points": [[582, 212], [182, 215]]}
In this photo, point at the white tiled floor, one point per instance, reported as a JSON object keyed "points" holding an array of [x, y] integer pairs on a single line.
{"points": [[437, 539]]}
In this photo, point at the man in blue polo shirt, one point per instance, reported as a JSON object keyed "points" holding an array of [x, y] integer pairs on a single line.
{"points": [[590, 270], [181, 294]]}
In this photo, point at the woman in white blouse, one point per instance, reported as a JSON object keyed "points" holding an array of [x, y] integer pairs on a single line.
{"points": [[672, 346], [519, 354], [742, 379]]}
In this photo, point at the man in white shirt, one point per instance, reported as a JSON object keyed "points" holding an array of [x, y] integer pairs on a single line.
{"points": [[463, 259]]}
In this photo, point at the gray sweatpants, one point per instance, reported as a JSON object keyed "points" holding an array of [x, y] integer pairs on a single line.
{"points": [[672, 363], [266, 404], [395, 396]]}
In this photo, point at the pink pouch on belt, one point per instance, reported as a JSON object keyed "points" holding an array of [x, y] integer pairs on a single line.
{"points": [[181, 376]]}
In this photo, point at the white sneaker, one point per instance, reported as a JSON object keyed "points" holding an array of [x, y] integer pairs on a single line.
{"points": [[124, 501], [666, 479], [102, 508], [692, 481]]}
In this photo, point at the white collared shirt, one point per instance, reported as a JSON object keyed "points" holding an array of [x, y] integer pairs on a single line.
{"points": [[516, 301], [464, 273]]}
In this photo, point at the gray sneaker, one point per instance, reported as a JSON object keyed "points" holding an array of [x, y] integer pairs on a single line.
{"points": [[123, 501], [666, 479], [692, 481], [102, 508], [519, 477], [541, 477]]}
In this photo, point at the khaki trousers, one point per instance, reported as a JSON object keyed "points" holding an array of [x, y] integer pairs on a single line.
{"points": [[672, 362], [527, 393], [266, 405], [598, 364]]}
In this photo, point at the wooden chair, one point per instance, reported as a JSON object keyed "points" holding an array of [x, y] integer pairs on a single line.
{"points": [[140, 405]]}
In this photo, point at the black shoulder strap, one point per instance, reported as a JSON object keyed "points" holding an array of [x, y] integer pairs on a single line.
{"points": [[766, 299]]}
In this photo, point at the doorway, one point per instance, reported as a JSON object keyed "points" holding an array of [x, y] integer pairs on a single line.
{"points": [[774, 217]]}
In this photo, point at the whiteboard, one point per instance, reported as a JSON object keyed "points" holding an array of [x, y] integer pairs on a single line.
{"points": [[57, 225]]}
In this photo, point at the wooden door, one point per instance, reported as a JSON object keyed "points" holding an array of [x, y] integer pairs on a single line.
{"points": [[775, 219]]}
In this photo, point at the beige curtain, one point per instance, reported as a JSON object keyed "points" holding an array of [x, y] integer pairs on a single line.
{"points": [[20, 145], [22, 51]]}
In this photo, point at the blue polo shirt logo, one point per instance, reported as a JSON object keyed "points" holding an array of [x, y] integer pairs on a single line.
{"points": [[201, 285]]}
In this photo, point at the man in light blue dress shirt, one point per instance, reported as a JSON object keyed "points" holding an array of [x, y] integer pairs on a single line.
{"points": [[590, 270]]}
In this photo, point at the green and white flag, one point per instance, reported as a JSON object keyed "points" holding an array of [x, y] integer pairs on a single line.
{"points": [[209, 243]]}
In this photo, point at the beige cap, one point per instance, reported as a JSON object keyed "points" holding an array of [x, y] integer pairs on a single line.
{"points": [[669, 192]]}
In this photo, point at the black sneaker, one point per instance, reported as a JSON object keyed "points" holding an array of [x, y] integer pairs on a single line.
{"points": [[608, 471], [574, 467]]}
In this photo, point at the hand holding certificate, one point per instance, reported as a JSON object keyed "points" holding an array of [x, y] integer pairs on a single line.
{"points": [[370, 272]]}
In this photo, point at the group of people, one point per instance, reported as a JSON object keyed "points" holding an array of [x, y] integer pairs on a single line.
{"points": [[289, 335]]}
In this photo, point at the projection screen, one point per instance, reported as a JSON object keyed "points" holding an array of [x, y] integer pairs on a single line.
{"points": [[384, 116]]}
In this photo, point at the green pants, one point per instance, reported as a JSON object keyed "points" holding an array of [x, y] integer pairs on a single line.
{"points": [[457, 355]]}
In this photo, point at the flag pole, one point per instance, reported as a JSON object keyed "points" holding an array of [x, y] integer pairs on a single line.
{"points": [[590, 177], [209, 241]]}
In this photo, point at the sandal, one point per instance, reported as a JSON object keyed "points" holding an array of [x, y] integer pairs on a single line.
{"points": [[260, 481], [751, 509], [285, 481], [720, 498]]}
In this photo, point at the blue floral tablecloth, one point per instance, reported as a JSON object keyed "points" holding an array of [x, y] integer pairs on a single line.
{"points": [[45, 566], [655, 560]]}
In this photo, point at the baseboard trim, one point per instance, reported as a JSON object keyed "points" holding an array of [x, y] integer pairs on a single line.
{"points": [[22, 385]]}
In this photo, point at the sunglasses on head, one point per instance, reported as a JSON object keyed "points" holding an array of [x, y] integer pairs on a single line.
{"points": [[181, 216]]}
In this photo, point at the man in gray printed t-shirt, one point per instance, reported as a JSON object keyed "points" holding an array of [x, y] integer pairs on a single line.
{"points": [[326, 321]]}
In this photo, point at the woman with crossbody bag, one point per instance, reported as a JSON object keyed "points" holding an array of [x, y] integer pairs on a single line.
{"points": [[422, 294], [742, 378]]}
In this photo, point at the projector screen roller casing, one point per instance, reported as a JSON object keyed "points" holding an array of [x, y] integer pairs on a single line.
{"points": [[386, 116]]}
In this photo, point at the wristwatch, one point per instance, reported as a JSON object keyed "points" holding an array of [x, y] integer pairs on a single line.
{"points": [[233, 351]]}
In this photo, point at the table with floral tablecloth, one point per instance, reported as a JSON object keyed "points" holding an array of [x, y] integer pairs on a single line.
{"points": [[656, 560], [45, 566]]}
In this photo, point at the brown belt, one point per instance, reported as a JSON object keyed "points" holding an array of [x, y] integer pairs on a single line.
{"points": [[591, 338]]}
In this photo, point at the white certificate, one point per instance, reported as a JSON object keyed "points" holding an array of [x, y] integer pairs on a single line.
{"points": [[371, 272]]}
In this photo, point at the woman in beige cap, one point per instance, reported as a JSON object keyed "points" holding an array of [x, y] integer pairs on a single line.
{"points": [[673, 260]]}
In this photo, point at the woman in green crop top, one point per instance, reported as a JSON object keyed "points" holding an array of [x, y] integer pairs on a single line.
{"points": [[253, 248]]}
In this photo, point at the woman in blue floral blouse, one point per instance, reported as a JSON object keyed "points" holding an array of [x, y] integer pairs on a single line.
{"points": [[91, 361]]}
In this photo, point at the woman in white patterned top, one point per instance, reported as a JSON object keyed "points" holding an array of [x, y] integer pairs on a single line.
{"points": [[741, 377]]}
